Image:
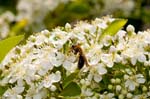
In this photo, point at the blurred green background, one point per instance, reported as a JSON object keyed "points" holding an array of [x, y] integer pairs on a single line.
{"points": [[29, 16]]}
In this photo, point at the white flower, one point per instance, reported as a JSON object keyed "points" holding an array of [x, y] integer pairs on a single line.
{"points": [[58, 38], [97, 77], [39, 39], [134, 53], [130, 84], [14, 93], [21, 73], [106, 41], [121, 45], [134, 81], [140, 78], [56, 58], [32, 10], [45, 65], [52, 78], [69, 63], [94, 54], [5, 19], [146, 37], [35, 93], [87, 92], [107, 96], [107, 59], [101, 69], [97, 71], [117, 58], [112, 49], [102, 24], [144, 96], [121, 34]]}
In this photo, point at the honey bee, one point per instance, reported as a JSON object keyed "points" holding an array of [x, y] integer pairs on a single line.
{"points": [[81, 56]]}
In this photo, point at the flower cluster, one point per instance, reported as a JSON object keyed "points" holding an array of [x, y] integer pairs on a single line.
{"points": [[5, 20], [33, 11], [119, 65], [125, 6], [36, 11]]}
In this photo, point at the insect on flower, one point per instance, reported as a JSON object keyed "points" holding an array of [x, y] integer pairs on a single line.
{"points": [[81, 56]]}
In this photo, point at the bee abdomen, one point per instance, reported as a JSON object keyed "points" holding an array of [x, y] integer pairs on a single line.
{"points": [[81, 61]]}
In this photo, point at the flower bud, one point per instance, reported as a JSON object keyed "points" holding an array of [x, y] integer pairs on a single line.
{"points": [[67, 26], [124, 92], [113, 81], [118, 88], [144, 88], [118, 81], [121, 96], [110, 87], [130, 28], [129, 95], [53, 88]]}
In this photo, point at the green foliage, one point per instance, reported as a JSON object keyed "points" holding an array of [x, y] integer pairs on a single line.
{"points": [[146, 15], [113, 28], [70, 12], [71, 90], [7, 44], [2, 90], [16, 29], [69, 79], [78, 8], [8, 5]]}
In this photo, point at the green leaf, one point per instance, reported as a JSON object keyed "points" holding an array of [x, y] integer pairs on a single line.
{"points": [[119, 66], [69, 79], [71, 90], [78, 8], [18, 27], [113, 28], [7, 44], [2, 90]]}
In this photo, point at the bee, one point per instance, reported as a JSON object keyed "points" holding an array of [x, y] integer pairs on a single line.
{"points": [[81, 56]]}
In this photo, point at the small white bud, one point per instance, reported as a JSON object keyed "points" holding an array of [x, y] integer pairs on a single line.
{"points": [[121, 96], [113, 81], [118, 88], [45, 32], [124, 92], [144, 88], [112, 49], [129, 95], [110, 87], [130, 28], [126, 77], [37, 77], [67, 26], [118, 81], [53, 88], [82, 81], [32, 38]]}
